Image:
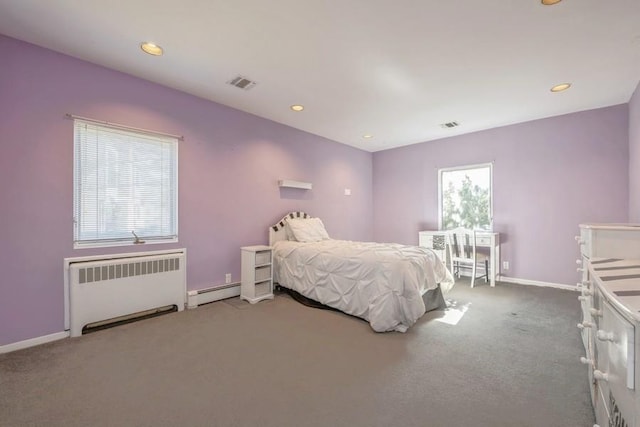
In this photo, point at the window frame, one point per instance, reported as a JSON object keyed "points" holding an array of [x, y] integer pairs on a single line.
{"points": [[113, 242], [465, 167]]}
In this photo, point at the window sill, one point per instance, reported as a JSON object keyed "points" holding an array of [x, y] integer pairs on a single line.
{"points": [[92, 245]]}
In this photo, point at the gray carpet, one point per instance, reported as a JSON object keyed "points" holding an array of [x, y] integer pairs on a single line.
{"points": [[511, 360]]}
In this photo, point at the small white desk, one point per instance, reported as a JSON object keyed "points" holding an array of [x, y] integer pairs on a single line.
{"points": [[484, 239]]}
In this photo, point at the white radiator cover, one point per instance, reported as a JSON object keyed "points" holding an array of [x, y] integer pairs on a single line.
{"points": [[102, 289]]}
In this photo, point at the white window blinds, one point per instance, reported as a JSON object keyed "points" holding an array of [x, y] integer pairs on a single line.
{"points": [[125, 182]]}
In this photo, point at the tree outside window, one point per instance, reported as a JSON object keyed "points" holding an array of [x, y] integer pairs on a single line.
{"points": [[465, 197]]}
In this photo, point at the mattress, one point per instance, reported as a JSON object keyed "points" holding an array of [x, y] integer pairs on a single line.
{"points": [[382, 283]]}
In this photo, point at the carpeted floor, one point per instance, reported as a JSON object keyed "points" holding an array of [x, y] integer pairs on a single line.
{"points": [[511, 360]]}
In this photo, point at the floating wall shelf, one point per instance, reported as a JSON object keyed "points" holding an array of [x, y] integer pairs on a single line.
{"points": [[289, 183]]}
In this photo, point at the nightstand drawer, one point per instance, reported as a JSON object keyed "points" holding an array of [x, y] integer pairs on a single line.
{"points": [[263, 288], [263, 257], [263, 273]]}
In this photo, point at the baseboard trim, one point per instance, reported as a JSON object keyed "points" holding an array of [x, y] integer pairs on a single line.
{"points": [[204, 296], [32, 342], [518, 281]]}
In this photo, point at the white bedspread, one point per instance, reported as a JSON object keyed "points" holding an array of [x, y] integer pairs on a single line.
{"points": [[380, 282]]}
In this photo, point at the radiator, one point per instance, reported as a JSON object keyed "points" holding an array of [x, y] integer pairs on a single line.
{"points": [[101, 290]]}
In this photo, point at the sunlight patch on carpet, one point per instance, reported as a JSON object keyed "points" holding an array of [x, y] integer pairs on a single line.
{"points": [[454, 313]]}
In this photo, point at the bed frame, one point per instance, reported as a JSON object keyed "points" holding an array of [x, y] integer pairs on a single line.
{"points": [[277, 231]]}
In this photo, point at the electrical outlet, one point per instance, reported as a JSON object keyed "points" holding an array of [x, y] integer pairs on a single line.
{"points": [[347, 191], [227, 278], [505, 265]]}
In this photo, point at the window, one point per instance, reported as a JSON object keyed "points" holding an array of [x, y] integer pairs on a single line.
{"points": [[125, 182], [465, 197]]}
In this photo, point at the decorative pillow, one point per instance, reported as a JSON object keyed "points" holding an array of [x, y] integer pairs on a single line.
{"points": [[307, 230]]}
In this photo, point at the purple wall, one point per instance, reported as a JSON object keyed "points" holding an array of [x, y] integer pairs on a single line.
{"points": [[229, 164], [548, 175], [634, 156]]}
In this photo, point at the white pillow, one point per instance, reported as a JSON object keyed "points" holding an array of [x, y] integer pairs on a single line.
{"points": [[307, 230], [288, 232]]}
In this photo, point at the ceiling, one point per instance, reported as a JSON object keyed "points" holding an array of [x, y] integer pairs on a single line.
{"points": [[395, 70]]}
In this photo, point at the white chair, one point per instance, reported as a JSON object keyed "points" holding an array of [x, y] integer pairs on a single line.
{"points": [[463, 254]]}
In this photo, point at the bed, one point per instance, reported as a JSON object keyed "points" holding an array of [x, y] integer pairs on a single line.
{"points": [[389, 285]]}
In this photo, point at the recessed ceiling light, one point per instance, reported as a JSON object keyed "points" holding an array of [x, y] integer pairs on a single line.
{"points": [[297, 107], [550, 2], [151, 49], [367, 136], [561, 87]]}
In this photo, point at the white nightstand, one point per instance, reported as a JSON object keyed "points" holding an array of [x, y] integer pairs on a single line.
{"points": [[257, 274]]}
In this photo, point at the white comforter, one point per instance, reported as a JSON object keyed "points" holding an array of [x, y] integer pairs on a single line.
{"points": [[380, 282]]}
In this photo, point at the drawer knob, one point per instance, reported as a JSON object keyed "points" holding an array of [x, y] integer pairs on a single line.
{"points": [[579, 261], [595, 312], [605, 336], [600, 376], [579, 270], [586, 361], [579, 240], [587, 292], [585, 325], [583, 285]]}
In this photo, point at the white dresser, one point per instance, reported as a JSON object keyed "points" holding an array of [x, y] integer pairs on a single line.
{"points": [[608, 240], [614, 351], [607, 327]]}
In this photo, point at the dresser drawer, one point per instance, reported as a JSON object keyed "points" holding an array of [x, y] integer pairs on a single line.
{"points": [[620, 345], [587, 325], [585, 242], [615, 344], [587, 329]]}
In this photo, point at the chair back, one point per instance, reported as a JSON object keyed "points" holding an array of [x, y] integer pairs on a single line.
{"points": [[462, 244]]}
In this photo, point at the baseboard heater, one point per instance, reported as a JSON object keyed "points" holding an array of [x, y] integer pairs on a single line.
{"points": [[208, 295], [121, 289]]}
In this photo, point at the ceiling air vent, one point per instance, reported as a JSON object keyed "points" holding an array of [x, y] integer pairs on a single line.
{"points": [[449, 125], [242, 83]]}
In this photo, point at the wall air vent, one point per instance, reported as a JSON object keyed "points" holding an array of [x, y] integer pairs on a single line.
{"points": [[449, 125], [242, 82]]}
